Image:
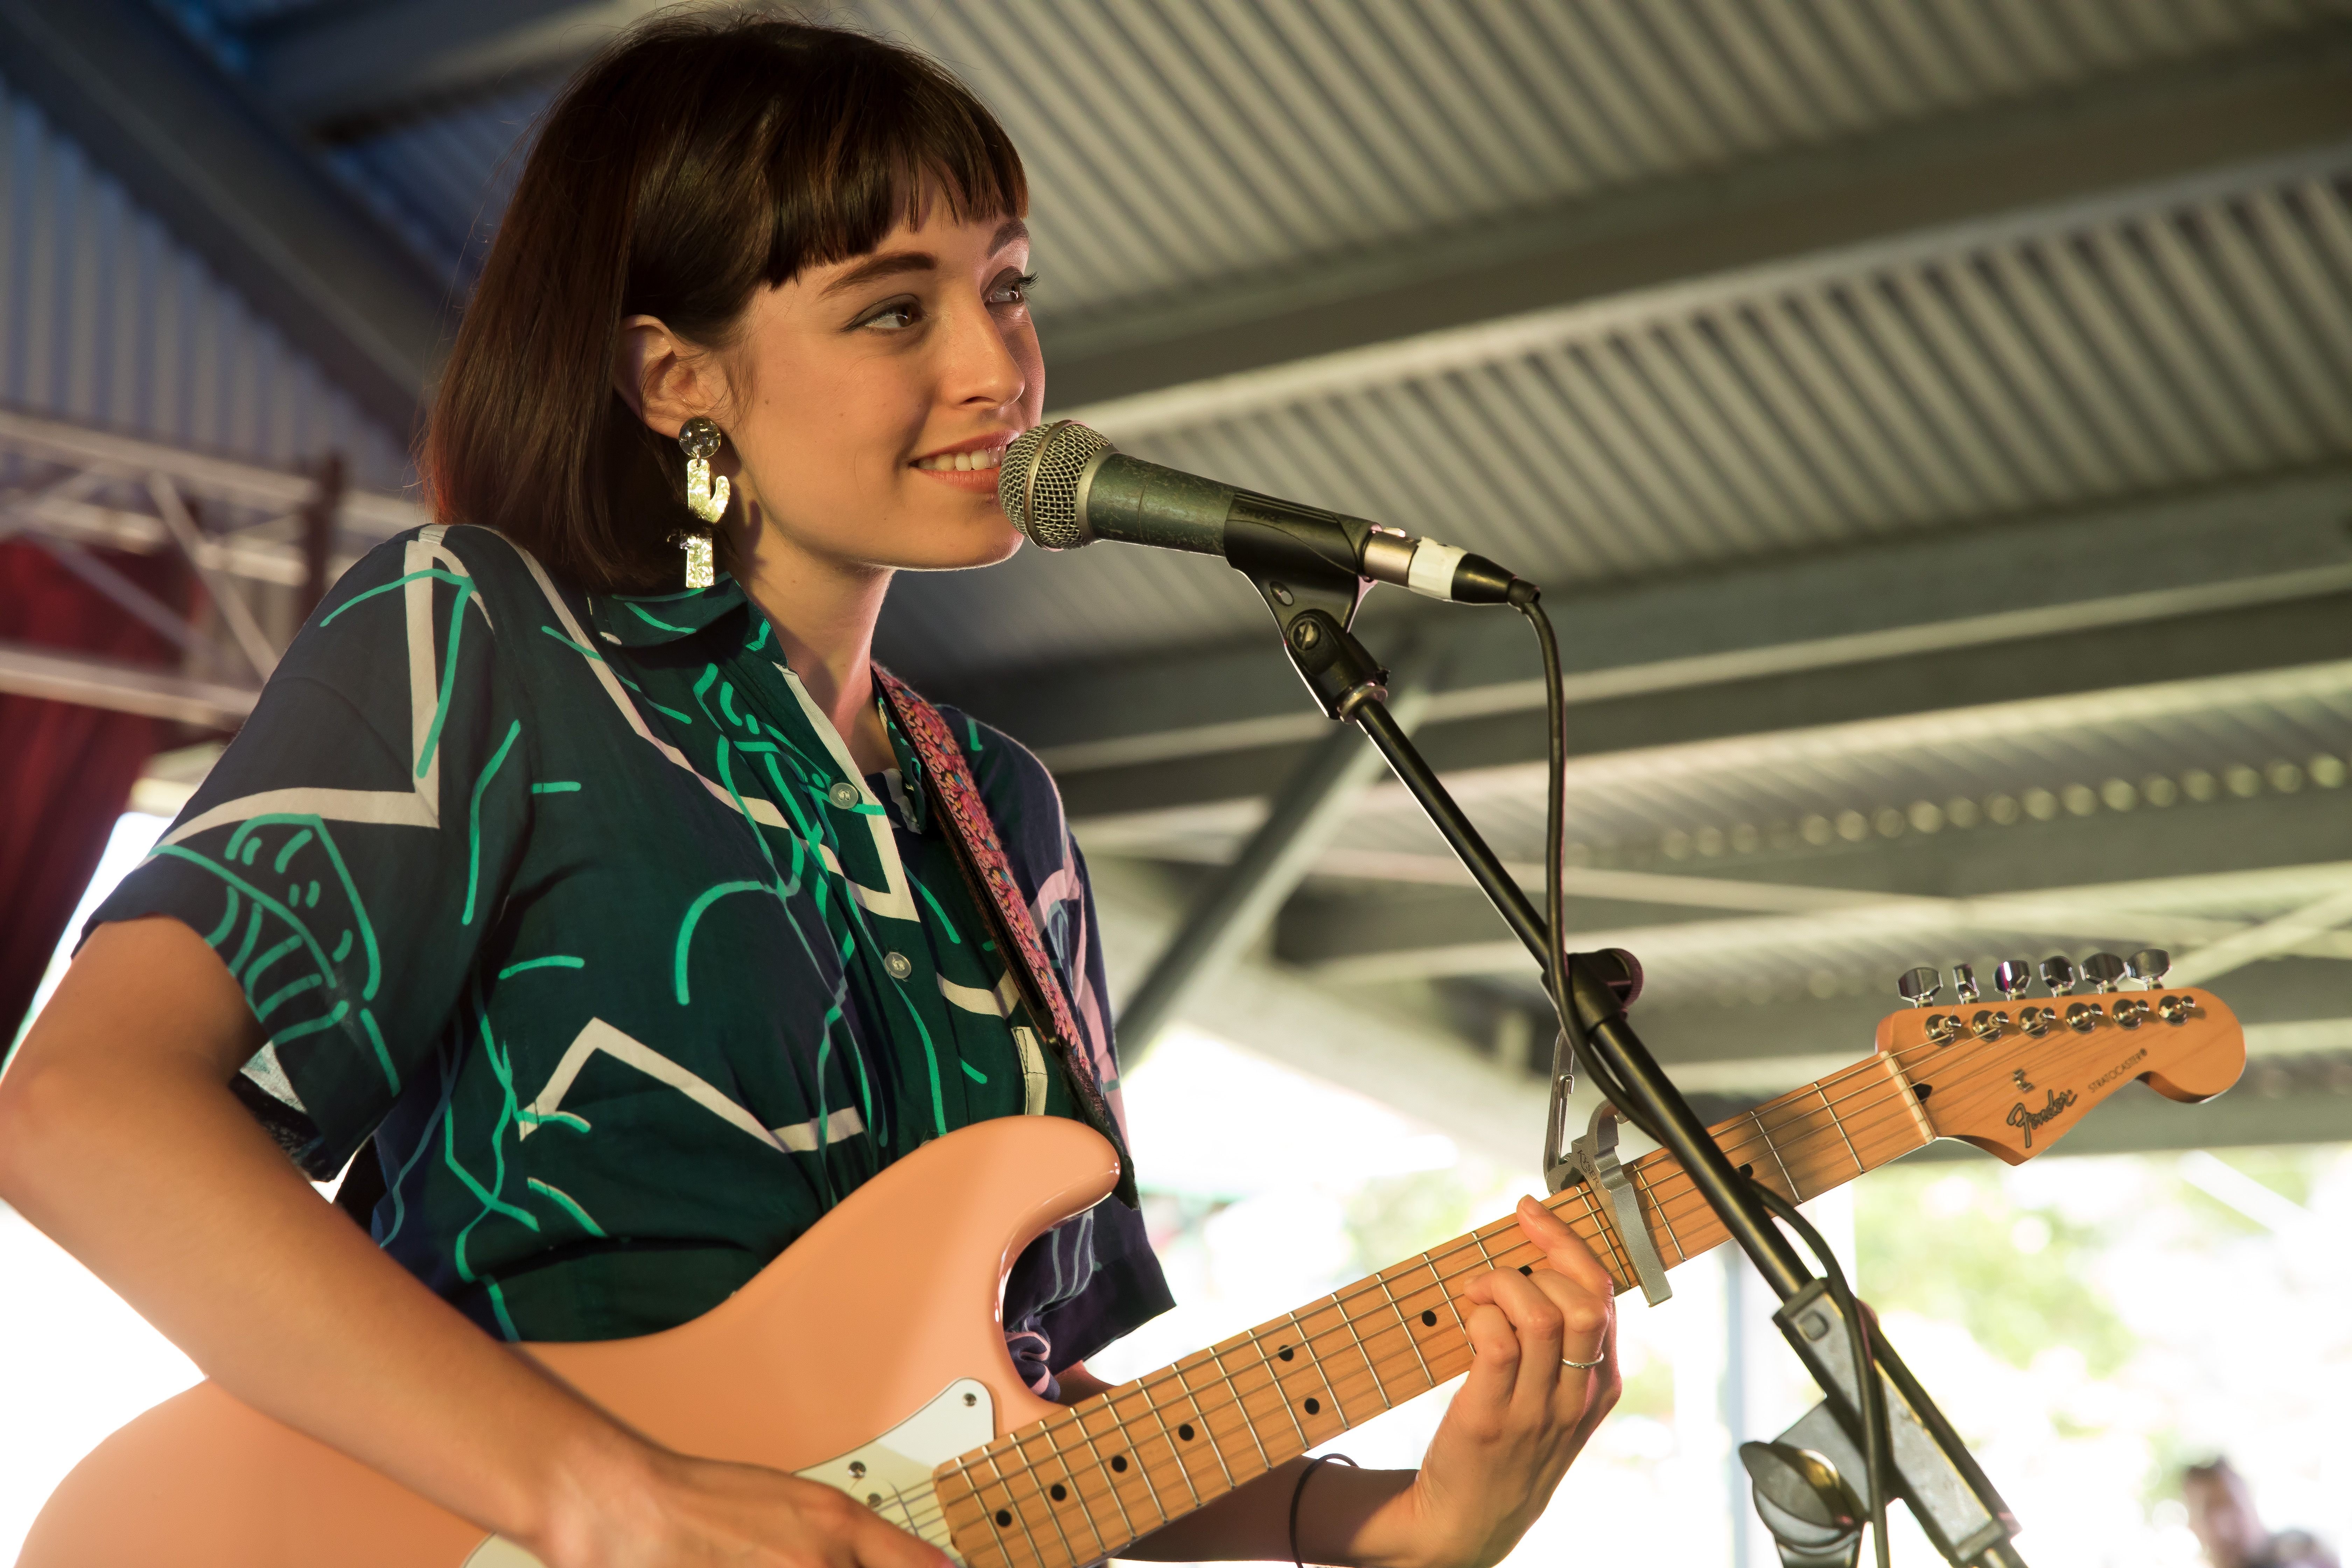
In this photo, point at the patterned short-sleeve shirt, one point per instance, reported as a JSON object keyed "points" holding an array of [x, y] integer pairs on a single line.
{"points": [[578, 904]]}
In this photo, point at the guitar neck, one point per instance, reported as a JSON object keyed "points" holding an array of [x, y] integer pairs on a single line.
{"points": [[1087, 1481]]}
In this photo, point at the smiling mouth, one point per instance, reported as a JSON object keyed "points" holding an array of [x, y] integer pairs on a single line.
{"points": [[961, 462]]}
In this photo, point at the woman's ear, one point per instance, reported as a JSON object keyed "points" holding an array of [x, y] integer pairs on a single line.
{"points": [[664, 381]]}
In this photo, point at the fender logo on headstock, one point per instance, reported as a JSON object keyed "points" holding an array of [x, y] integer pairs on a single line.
{"points": [[2027, 1121]]}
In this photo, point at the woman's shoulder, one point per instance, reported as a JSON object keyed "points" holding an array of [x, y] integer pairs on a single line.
{"points": [[1018, 788], [471, 561]]}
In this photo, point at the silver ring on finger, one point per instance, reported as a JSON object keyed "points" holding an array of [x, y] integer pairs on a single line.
{"points": [[1583, 1365]]}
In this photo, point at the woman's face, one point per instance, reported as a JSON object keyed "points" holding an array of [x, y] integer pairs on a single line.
{"points": [[866, 403]]}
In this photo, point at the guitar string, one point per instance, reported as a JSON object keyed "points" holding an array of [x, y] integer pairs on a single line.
{"points": [[1049, 1428], [1885, 1091], [1892, 1099], [1675, 1194]]}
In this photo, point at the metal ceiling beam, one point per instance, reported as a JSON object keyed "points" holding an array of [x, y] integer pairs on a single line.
{"points": [[189, 147], [334, 64], [1951, 591], [2062, 878], [1945, 175], [29, 671], [1234, 908]]}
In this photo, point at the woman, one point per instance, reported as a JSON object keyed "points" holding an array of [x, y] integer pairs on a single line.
{"points": [[619, 916]]}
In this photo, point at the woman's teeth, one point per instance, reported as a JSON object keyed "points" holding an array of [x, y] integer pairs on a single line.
{"points": [[961, 462]]}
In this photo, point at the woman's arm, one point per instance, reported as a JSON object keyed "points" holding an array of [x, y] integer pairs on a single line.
{"points": [[120, 1137]]}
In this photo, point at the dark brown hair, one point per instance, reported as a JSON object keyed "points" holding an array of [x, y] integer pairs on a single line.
{"points": [[698, 158]]}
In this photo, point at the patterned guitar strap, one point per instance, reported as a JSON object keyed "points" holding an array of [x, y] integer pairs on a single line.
{"points": [[988, 877]]}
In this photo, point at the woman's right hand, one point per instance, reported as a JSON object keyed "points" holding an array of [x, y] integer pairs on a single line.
{"points": [[703, 1514]]}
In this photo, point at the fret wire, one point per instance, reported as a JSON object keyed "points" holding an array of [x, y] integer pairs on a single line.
{"points": [[1859, 1168], [1208, 1432], [1142, 1469], [1178, 1453], [1441, 1282], [1681, 1256], [1756, 1116], [1279, 1392], [1046, 1503], [1678, 1182], [1240, 1403], [1909, 1096], [1035, 1550], [1348, 1320], [988, 1517], [1406, 1324], [1110, 1478], [1321, 1376], [1478, 1241]]}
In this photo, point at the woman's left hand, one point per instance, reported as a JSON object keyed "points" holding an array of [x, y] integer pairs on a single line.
{"points": [[1519, 1418]]}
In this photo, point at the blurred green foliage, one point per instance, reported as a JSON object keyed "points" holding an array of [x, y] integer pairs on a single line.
{"points": [[1390, 1218], [1949, 1244]]}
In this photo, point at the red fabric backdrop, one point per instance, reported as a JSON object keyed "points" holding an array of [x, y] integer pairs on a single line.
{"points": [[66, 771]]}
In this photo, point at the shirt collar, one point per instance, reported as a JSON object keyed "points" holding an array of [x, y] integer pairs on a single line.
{"points": [[648, 620]]}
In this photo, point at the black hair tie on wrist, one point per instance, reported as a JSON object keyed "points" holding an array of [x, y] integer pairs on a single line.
{"points": [[1300, 1491]]}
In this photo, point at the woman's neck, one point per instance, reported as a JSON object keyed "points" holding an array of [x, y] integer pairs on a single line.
{"points": [[823, 611]]}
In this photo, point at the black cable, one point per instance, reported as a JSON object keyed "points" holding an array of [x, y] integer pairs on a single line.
{"points": [[1875, 1442], [1524, 598], [1875, 1439]]}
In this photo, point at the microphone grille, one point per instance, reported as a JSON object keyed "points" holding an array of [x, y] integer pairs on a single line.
{"points": [[1037, 485]]}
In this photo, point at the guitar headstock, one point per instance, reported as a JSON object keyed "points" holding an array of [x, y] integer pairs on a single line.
{"points": [[2014, 1073]]}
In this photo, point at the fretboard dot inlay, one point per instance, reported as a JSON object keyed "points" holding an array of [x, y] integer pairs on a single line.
{"points": [[1004, 1516], [1315, 1406], [1185, 1430], [1284, 1352], [1119, 1463], [1060, 1493], [1429, 1321], [1531, 1268], [1923, 1090], [1747, 1171]]}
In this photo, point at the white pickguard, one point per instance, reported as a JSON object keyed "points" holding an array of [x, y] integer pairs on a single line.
{"points": [[891, 1475]]}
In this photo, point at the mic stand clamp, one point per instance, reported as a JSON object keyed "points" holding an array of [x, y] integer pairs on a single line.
{"points": [[1592, 1159]]}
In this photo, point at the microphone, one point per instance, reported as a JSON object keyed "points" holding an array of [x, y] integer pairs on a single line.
{"points": [[1063, 485]]}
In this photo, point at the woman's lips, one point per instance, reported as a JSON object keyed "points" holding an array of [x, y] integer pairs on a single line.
{"points": [[966, 468], [979, 481]]}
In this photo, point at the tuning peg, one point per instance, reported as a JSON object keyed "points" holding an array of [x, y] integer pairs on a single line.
{"points": [[2103, 970], [2012, 977], [1918, 986], [1964, 983], [2147, 966], [2058, 974]]}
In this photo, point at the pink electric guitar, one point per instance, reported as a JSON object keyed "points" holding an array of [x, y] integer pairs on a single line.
{"points": [[928, 1423]]}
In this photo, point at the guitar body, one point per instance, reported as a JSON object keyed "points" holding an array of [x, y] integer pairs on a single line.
{"points": [[851, 1333]]}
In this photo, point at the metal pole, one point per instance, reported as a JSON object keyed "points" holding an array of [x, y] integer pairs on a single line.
{"points": [[1239, 901]]}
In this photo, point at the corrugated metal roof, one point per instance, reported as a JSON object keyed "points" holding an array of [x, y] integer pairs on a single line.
{"points": [[1180, 145], [107, 319], [2063, 362], [1707, 806], [1176, 143]]}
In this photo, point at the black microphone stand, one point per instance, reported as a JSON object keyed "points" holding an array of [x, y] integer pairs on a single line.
{"points": [[1313, 597]]}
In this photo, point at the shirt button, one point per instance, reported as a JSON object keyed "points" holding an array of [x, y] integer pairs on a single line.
{"points": [[844, 794], [897, 964]]}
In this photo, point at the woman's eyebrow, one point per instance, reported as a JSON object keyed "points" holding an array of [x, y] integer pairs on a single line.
{"points": [[883, 266]]}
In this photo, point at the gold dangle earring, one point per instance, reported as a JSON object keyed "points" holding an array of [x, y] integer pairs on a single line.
{"points": [[705, 497]]}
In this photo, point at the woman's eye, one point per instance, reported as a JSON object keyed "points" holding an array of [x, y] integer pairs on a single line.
{"points": [[895, 317], [1012, 290]]}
